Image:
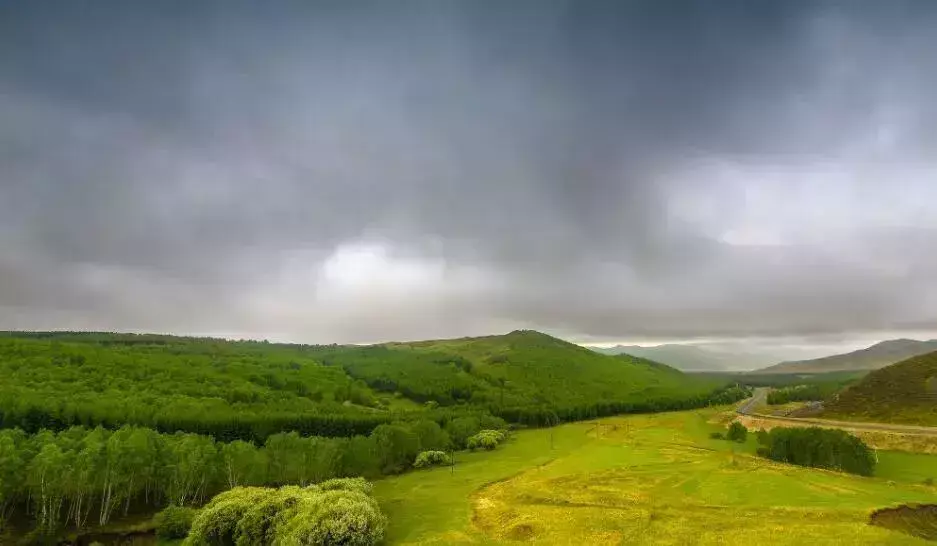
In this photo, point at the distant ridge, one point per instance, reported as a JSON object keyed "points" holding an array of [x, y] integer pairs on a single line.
{"points": [[691, 358], [871, 358]]}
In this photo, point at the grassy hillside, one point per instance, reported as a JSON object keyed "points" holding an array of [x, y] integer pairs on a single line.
{"points": [[871, 358], [901, 393], [521, 373]]}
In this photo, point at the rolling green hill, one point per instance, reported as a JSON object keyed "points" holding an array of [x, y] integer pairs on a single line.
{"points": [[521, 375], [230, 390], [871, 358], [905, 392], [248, 390]]}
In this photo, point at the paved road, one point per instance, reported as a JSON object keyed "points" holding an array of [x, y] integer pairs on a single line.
{"points": [[760, 396]]}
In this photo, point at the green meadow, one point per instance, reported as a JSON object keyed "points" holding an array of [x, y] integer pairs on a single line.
{"points": [[645, 479]]}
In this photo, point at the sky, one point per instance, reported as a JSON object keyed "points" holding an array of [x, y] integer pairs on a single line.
{"points": [[349, 171]]}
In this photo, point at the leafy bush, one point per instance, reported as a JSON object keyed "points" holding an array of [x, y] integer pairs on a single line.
{"points": [[339, 511], [397, 446], [737, 432], [431, 458], [461, 429], [717, 436], [333, 517], [762, 437], [488, 439], [174, 521], [257, 524], [217, 522], [346, 484], [430, 435]]}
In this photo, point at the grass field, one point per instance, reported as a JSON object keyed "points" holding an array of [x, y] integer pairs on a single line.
{"points": [[645, 479]]}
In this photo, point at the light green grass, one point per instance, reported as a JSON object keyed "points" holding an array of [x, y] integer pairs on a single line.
{"points": [[906, 467], [644, 479]]}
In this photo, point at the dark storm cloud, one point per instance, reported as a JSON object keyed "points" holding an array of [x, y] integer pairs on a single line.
{"points": [[354, 171]]}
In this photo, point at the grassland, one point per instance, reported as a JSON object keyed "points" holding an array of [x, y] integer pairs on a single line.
{"points": [[645, 479]]}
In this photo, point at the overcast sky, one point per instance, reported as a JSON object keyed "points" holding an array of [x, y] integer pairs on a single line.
{"points": [[355, 171]]}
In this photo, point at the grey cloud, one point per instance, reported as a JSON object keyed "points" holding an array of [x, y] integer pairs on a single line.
{"points": [[182, 168]]}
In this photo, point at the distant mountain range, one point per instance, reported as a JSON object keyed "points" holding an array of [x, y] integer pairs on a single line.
{"points": [[872, 358], [692, 358]]}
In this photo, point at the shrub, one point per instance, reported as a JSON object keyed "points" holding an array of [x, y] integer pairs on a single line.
{"points": [[737, 432], [461, 429], [397, 446], [174, 521], [431, 458], [430, 435], [216, 523], [257, 524], [762, 437], [717, 436], [332, 517], [488, 439], [338, 511], [345, 484]]}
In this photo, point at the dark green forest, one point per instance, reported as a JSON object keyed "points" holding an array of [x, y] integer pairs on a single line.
{"points": [[832, 449], [820, 389], [94, 425]]}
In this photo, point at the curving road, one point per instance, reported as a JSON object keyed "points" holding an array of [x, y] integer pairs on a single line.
{"points": [[760, 397]]}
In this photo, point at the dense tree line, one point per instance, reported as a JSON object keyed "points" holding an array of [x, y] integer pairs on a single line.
{"points": [[833, 449], [801, 393], [549, 416], [85, 475], [781, 379]]}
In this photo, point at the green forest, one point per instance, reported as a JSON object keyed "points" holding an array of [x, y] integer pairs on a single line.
{"points": [[818, 389], [96, 425], [832, 449]]}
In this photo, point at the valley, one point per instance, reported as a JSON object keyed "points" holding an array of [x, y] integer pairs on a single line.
{"points": [[655, 479], [517, 437]]}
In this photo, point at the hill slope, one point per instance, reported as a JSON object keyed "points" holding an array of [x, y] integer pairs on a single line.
{"points": [[691, 358], [871, 358], [249, 390], [905, 392], [520, 370], [243, 390]]}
